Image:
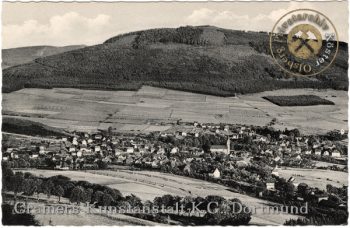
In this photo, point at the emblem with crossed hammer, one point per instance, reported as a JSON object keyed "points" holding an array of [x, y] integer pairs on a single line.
{"points": [[304, 41]]}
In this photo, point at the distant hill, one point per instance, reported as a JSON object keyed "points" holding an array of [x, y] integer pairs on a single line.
{"points": [[16, 56], [202, 59], [27, 127]]}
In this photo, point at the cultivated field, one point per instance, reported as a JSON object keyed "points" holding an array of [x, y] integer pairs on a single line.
{"points": [[316, 177], [327, 164], [146, 109], [84, 217], [148, 184]]}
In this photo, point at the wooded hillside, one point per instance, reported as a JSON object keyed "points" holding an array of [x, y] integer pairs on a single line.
{"points": [[202, 59]]}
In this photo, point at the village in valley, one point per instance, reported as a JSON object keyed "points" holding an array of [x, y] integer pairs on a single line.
{"points": [[258, 161], [140, 148]]}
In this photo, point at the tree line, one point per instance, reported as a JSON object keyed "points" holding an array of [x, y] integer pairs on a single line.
{"points": [[83, 192]]}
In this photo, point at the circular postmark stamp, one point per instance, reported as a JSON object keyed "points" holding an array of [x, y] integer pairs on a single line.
{"points": [[304, 42]]}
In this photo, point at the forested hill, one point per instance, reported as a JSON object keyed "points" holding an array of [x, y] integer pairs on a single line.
{"points": [[16, 56], [202, 59]]}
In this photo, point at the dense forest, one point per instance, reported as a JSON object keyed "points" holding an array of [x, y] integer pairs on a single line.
{"points": [[299, 100], [27, 127], [202, 59]]}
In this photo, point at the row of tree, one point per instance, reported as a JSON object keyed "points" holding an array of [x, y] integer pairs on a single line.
{"points": [[79, 192]]}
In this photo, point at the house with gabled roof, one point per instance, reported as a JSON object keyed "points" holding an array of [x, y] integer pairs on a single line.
{"points": [[318, 152], [216, 174], [336, 154]]}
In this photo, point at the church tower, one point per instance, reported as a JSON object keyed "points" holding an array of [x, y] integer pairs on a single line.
{"points": [[228, 145]]}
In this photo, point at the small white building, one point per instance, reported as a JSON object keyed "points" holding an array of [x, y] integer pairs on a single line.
{"points": [[270, 185], [317, 152], [216, 173], [307, 152], [15, 156], [235, 136], [161, 151], [241, 164], [276, 159], [262, 139], [297, 150], [34, 156], [97, 148], [98, 137], [336, 154], [118, 152], [316, 145], [219, 149], [130, 150], [174, 150]]}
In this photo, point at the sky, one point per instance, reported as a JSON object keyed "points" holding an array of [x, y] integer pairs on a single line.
{"points": [[61, 24]]}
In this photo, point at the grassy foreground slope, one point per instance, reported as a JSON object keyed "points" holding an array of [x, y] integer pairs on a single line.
{"points": [[16, 56], [202, 59]]}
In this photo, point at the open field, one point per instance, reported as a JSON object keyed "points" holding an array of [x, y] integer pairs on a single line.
{"points": [[143, 110], [327, 164], [148, 184], [84, 217], [80, 219], [315, 177]]}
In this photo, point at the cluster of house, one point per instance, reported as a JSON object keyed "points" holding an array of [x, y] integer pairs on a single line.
{"points": [[33, 151], [283, 147], [299, 148], [84, 150]]}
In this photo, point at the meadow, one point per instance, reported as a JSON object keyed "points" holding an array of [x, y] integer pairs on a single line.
{"points": [[147, 185], [157, 109], [316, 178], [84, 217]]}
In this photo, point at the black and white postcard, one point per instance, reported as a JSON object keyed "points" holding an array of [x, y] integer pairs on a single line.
{"points": [[175, 113]]}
